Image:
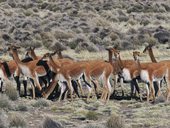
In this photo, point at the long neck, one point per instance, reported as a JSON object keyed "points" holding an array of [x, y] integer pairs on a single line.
{"points": [[110, 56], [16, 57], [60, 56], [33, 55], [120, 63], [138, 65], [53, 64], [152, 55]]}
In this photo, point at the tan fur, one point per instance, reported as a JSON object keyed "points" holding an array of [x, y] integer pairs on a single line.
{"points": [[32, 67], [155, 71], [153, 59], [91, 69]]}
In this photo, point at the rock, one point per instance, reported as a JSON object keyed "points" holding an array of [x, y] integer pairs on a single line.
{"points": [[162, 35]]}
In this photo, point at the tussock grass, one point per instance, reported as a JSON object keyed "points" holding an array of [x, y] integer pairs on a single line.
{"points": [[4, 122], [60, 34], [50, 123], [10, 91], [115, 121], [5, 103], [92, 115], [41, 103], [17, 120], [22, 107]]}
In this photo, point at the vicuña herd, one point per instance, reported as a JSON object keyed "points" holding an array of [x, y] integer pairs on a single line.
{"points": [[96, 77]]}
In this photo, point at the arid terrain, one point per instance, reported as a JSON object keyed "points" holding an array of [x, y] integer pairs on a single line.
{"points": [[83, 29], [84, 24]]}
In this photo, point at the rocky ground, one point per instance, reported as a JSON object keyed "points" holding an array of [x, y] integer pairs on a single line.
{"points": [[117, 113], [84, 24]]}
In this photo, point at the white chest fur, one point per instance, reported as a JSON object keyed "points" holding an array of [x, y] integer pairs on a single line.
{"points": [[126, 74], [25, 70], [2, 74], [144, 75]]}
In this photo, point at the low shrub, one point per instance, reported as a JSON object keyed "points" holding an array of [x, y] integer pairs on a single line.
{"points": [[22, 107], [49, 123], [11, 92], [5, 103], [63, 34], [92, 115], [41, 103], [115, 121], [17, 120]]}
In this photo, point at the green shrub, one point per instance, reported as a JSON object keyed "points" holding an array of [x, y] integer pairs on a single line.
{"points": [[73, 44], [41, 103], [28, 12], [10, 91], [115, 121], [145, 22], [151, 40], [113, 36], [22, 107], [17, 120], [92, 115], [47, 43]]}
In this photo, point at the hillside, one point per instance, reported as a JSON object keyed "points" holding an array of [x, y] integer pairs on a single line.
{"points": [[84, 24]]}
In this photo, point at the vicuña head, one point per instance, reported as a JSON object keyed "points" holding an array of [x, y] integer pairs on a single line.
{"points": [[30, 50], [136, 55], [114, 51]]}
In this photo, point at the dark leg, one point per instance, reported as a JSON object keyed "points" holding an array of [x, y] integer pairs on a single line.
{"points": [[18, 84], [75, 87], [132, 88], [155, 84], [42, 80], [25, 87], [137, 88], [1, 85]]}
